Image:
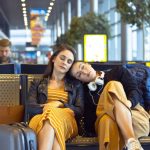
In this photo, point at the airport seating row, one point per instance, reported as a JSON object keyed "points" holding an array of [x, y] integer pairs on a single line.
{"points": [[24, 68], [40, 68], [13, 99]]}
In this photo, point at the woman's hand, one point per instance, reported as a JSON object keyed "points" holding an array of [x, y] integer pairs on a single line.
{"points": [[53, 104]]}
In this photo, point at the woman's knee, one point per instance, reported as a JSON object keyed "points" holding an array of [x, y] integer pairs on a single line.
{"points": [[114, 83]]}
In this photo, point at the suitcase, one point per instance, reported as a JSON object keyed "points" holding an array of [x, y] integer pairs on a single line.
{"points": [[17, 136]]}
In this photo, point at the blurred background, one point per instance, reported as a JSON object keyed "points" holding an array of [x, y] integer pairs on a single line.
{"points": [[100, 30]]}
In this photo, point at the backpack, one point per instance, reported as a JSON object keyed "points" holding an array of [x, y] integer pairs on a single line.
{"points": [[142, 75]]}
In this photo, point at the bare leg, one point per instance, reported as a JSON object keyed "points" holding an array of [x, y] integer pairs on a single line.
{"points": [[46, 137], [124, 119], [56, 145]]}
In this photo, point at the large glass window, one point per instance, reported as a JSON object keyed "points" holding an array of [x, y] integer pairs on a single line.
{"points": [[147, 43], [85, 7], [108, 8], [113, 16], [112, 3], [114, 49], [135, 44], [115, 29]]}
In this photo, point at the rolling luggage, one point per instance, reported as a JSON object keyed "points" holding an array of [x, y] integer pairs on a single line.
{"points": [[17, 136]]}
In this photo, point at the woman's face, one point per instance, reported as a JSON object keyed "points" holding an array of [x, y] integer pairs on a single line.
{"points": [[63, 61], [83, 72]]}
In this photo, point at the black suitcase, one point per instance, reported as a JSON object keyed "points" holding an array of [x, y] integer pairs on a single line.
{"points": [[17, 136]]}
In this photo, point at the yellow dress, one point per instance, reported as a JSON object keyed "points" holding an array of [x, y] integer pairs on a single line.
{"points": [[109, 135], [61, 119]]}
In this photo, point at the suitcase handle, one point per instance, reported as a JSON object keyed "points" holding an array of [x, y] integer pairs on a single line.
{"points": [[31, 143]]}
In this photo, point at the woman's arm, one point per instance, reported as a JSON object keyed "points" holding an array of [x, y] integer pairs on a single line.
{"points": [[78, 104], [33, 107], [133, 93]]}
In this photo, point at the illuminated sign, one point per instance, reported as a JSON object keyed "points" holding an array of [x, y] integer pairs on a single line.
{"points": [[95, 48], [147, 64], [37, 25]]}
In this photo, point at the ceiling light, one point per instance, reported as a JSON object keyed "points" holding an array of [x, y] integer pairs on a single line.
{"points": [[26, 24], [23, 4], [50, 8], [49, 11], [51, 4], [24, 8], [24, 12], [25, 19]]}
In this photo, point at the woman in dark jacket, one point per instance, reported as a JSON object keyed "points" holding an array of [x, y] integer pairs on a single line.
{"points": [[59, 100], [113, 96]]}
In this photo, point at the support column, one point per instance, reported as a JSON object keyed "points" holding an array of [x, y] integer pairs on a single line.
{"points": [[123, 42], [78, 8], [94, 6], [79, 46]]}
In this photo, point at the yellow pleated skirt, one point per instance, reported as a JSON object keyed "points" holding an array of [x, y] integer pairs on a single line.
{"points": [[61, 119], [109, 135]]}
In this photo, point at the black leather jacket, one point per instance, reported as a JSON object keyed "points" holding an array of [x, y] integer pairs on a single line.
{"points": [[38, 95]]}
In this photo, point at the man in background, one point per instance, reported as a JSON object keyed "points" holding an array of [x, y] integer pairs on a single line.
{"points": [[5, 54]]}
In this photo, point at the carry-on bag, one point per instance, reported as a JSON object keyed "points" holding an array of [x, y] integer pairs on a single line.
{"points": [[17, 136]]}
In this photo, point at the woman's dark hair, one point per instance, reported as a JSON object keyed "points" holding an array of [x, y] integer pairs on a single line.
{"points": [[57, 50]]}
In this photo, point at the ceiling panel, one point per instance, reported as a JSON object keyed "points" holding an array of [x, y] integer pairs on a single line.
{"points": [[12, 10]]}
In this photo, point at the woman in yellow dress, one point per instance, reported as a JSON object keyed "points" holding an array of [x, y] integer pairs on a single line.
{"points": [[113, 104], [56, 102]]}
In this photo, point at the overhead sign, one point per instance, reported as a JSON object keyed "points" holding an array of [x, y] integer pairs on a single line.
{"points": [[37, 25]]}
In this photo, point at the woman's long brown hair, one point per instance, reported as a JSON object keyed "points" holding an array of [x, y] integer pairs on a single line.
{"points": [[60, 48]]}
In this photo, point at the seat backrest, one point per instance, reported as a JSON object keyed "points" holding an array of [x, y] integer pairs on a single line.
{"points": [[27, 79], [11, 109], [104, 66], [9, 89], [7, 69], [31, 77], [33, 68]]}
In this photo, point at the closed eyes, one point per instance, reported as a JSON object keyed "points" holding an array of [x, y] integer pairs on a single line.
{"points": [[69, 61], [81, 67]]}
